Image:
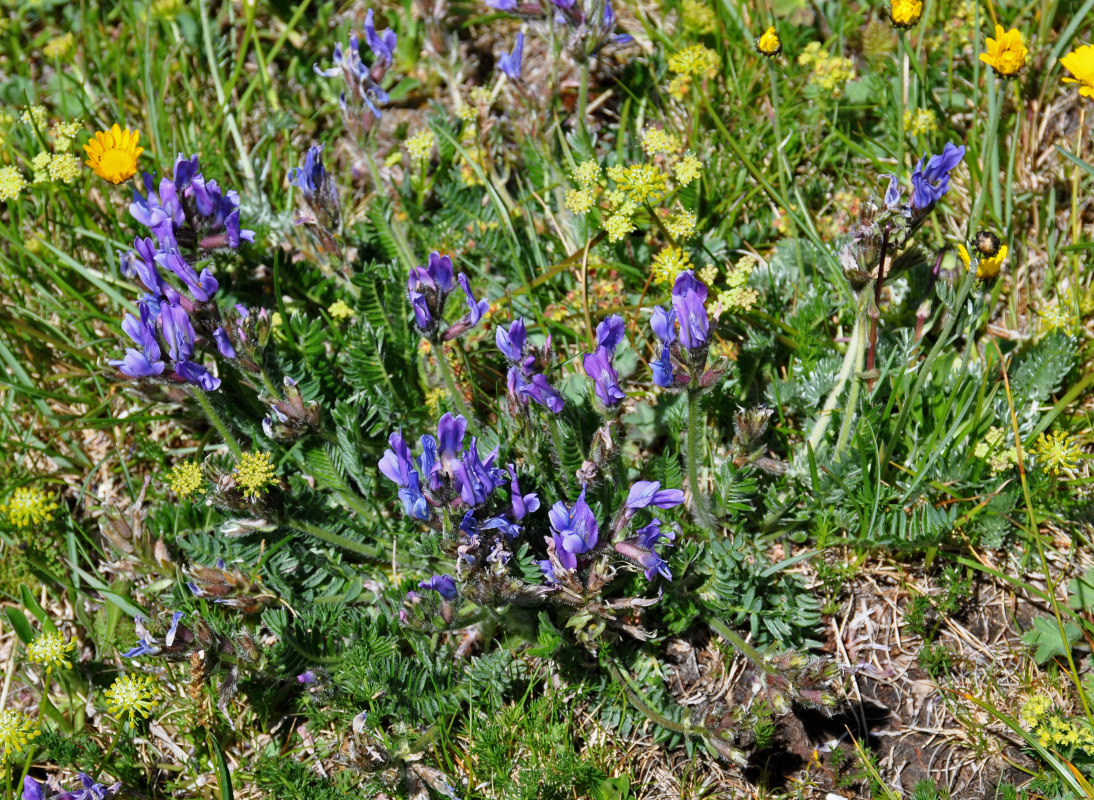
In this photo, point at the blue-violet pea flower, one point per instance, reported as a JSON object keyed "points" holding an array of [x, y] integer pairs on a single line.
{"points": [[575, 530], [689, 296], [476, 308], [144, 360], [511, 342], [522, 504], [444, 585], [382, 45], [664, 327], [397, 466], [930, 181], [610, 332], [647, 538], [362, 82], [598, 366], [32, 790], [318, 189], [644, 494], [542, 392], [308, 676], [510, 63]]}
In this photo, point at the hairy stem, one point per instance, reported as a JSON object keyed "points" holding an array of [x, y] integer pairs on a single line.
{"points": [[453, 388], [699, 507], [218, 422], [750, 652], [335, 539]]}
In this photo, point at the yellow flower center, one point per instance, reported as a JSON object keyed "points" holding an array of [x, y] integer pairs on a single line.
{"points": [[117, 166]]}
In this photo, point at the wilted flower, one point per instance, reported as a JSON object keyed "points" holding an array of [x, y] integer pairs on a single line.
{"points": [[1080, 63], [318, 189], [1006, 52], [113, 154]]}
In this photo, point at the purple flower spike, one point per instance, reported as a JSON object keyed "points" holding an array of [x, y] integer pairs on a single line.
{"points": [[598, 366], [444, 585], [143, 362], [662, 368], [688, 301], [450, 431], [644, 494]]}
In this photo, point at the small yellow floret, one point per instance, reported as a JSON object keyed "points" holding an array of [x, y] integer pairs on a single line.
{"points": [[136, 695], [64, 133], [420, 145], [699, 17], [695, 60], [641, 182], [579, 201], [617, 226], [113, 154], [768, 43], [28, 506], [185, 478], [34, 116], [64, 167], [920, 121], [41, 161], [17, 730], [51, 650], [658, 140], [254, 473], [681, 225], [587, 173], [669, 263], [339, 310], [1057, 451], [59, 47], [12, 183], [687, 169]]}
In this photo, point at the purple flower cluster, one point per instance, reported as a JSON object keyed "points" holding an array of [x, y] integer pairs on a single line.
{"points": [[361, 81], [527, 363], [318, 189], [684, 352], [509, 63], [445, 474], [189, 214], [575, 532], [32, 790], [576, 15], [598, 364], [931, 180], [428, 288], [147, 644]]}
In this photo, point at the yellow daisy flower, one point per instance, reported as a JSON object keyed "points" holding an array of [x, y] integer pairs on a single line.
{"points": [[905, 13], [113, 154], [988, 267], [768, 43], [1006, 52], [1080, 63]]}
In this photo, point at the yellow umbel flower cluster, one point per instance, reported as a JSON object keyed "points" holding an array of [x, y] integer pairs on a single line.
{"points": [[669, 263], [830, 72], [420, 145], [699, 17], [681, 225], [113, 154], [340, 310], [185, 478], [1059, 316], [696, 60], [920, 121], [64, 133], [17, 730], [51, 650], [12, 183], [59, 47], [135, 695], [579, 201], [254, 473], [687, 169], [1057, 451], [641, 183], [658, 140], [1080, 63], [1006, 52], [28, 506], [738, 296], [34, 116], [992, 450], [1040, 714]]}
